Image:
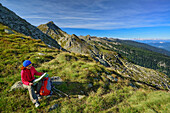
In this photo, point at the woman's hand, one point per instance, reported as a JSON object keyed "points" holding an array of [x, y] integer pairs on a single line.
{"points": [[30, 84]]}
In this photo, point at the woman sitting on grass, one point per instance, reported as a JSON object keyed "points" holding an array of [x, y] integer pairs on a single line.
{"points": [[27, 76]]}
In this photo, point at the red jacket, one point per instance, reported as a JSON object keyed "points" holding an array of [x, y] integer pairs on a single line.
{"points": [[27, 75]]}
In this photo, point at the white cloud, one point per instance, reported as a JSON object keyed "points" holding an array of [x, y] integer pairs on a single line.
{"points": [[94, 14], [35, 17]]}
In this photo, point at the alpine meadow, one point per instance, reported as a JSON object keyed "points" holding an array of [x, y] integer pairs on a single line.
{"points": [[100, 75]]}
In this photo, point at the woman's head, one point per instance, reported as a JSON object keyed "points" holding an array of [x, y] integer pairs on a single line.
{"points": [[27, 64]]}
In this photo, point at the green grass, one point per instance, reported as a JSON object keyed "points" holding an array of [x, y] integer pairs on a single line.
{"points": [[77, 72], [145, 101]]}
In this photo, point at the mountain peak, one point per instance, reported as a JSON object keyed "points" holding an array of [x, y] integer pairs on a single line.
{"points": [[52, 25], [50, 22], [52, 29], [73, 35]]}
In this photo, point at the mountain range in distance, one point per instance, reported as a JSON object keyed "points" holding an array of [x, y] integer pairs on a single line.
{"points": [[159, 43]]}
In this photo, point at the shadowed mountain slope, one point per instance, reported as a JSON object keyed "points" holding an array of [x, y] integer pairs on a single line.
{"points": [[20, 25]]}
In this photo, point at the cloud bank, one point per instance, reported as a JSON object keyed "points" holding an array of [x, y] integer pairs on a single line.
{"points": [[94, 14]]}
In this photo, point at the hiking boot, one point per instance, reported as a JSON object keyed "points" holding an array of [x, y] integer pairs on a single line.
{"points": [[37, 104], [39, 96]]}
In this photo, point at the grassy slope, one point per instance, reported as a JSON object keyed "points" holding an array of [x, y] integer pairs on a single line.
{"points": [[77, 71]]}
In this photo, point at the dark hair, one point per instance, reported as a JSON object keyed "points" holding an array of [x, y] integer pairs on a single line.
{"points": [[23, 68]]}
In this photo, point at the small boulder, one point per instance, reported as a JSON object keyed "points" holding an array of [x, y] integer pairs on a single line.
{"points": [[42, 54], [110, 77], [53, 107], [17, 85], [81, 96], [132, 85], [116, 79], [90, 85], [8, 31], [56, 80]]}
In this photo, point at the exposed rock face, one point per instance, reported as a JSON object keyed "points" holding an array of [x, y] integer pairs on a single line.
{"points": [[108, 58], [55, 80], [70, 42], [81, 96], [20, 25]]}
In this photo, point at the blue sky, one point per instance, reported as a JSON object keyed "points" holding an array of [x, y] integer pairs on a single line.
{"points": [[127, 19]]}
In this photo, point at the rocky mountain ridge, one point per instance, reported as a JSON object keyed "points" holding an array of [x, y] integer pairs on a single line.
{"points": [[72, 42], [69, 42], [20, 25], [100, 50], [135, 52]]}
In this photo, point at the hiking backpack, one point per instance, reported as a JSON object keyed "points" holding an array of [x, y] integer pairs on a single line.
{"points": [[46, 86]]}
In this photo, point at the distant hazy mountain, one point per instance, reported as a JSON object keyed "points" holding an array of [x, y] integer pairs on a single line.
{"points": [[163, 44], [146, 46]]}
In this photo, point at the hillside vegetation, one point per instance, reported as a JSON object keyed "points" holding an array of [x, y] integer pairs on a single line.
{"points": [[137, 53], [102, 89], [146, 57]]}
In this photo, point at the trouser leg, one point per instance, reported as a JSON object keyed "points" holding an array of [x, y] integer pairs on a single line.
{"points": [[39, 84], [32, 94]]}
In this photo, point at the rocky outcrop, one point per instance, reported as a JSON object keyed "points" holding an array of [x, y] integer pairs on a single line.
{"points": [[8, 31], [69, 42], [19, 85], [137, 73], [20, 25], [73, 43], [52, 30]]}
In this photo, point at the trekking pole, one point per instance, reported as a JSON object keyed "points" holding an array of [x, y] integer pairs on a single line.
{"points": [[61, 92], [58, 93]]}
